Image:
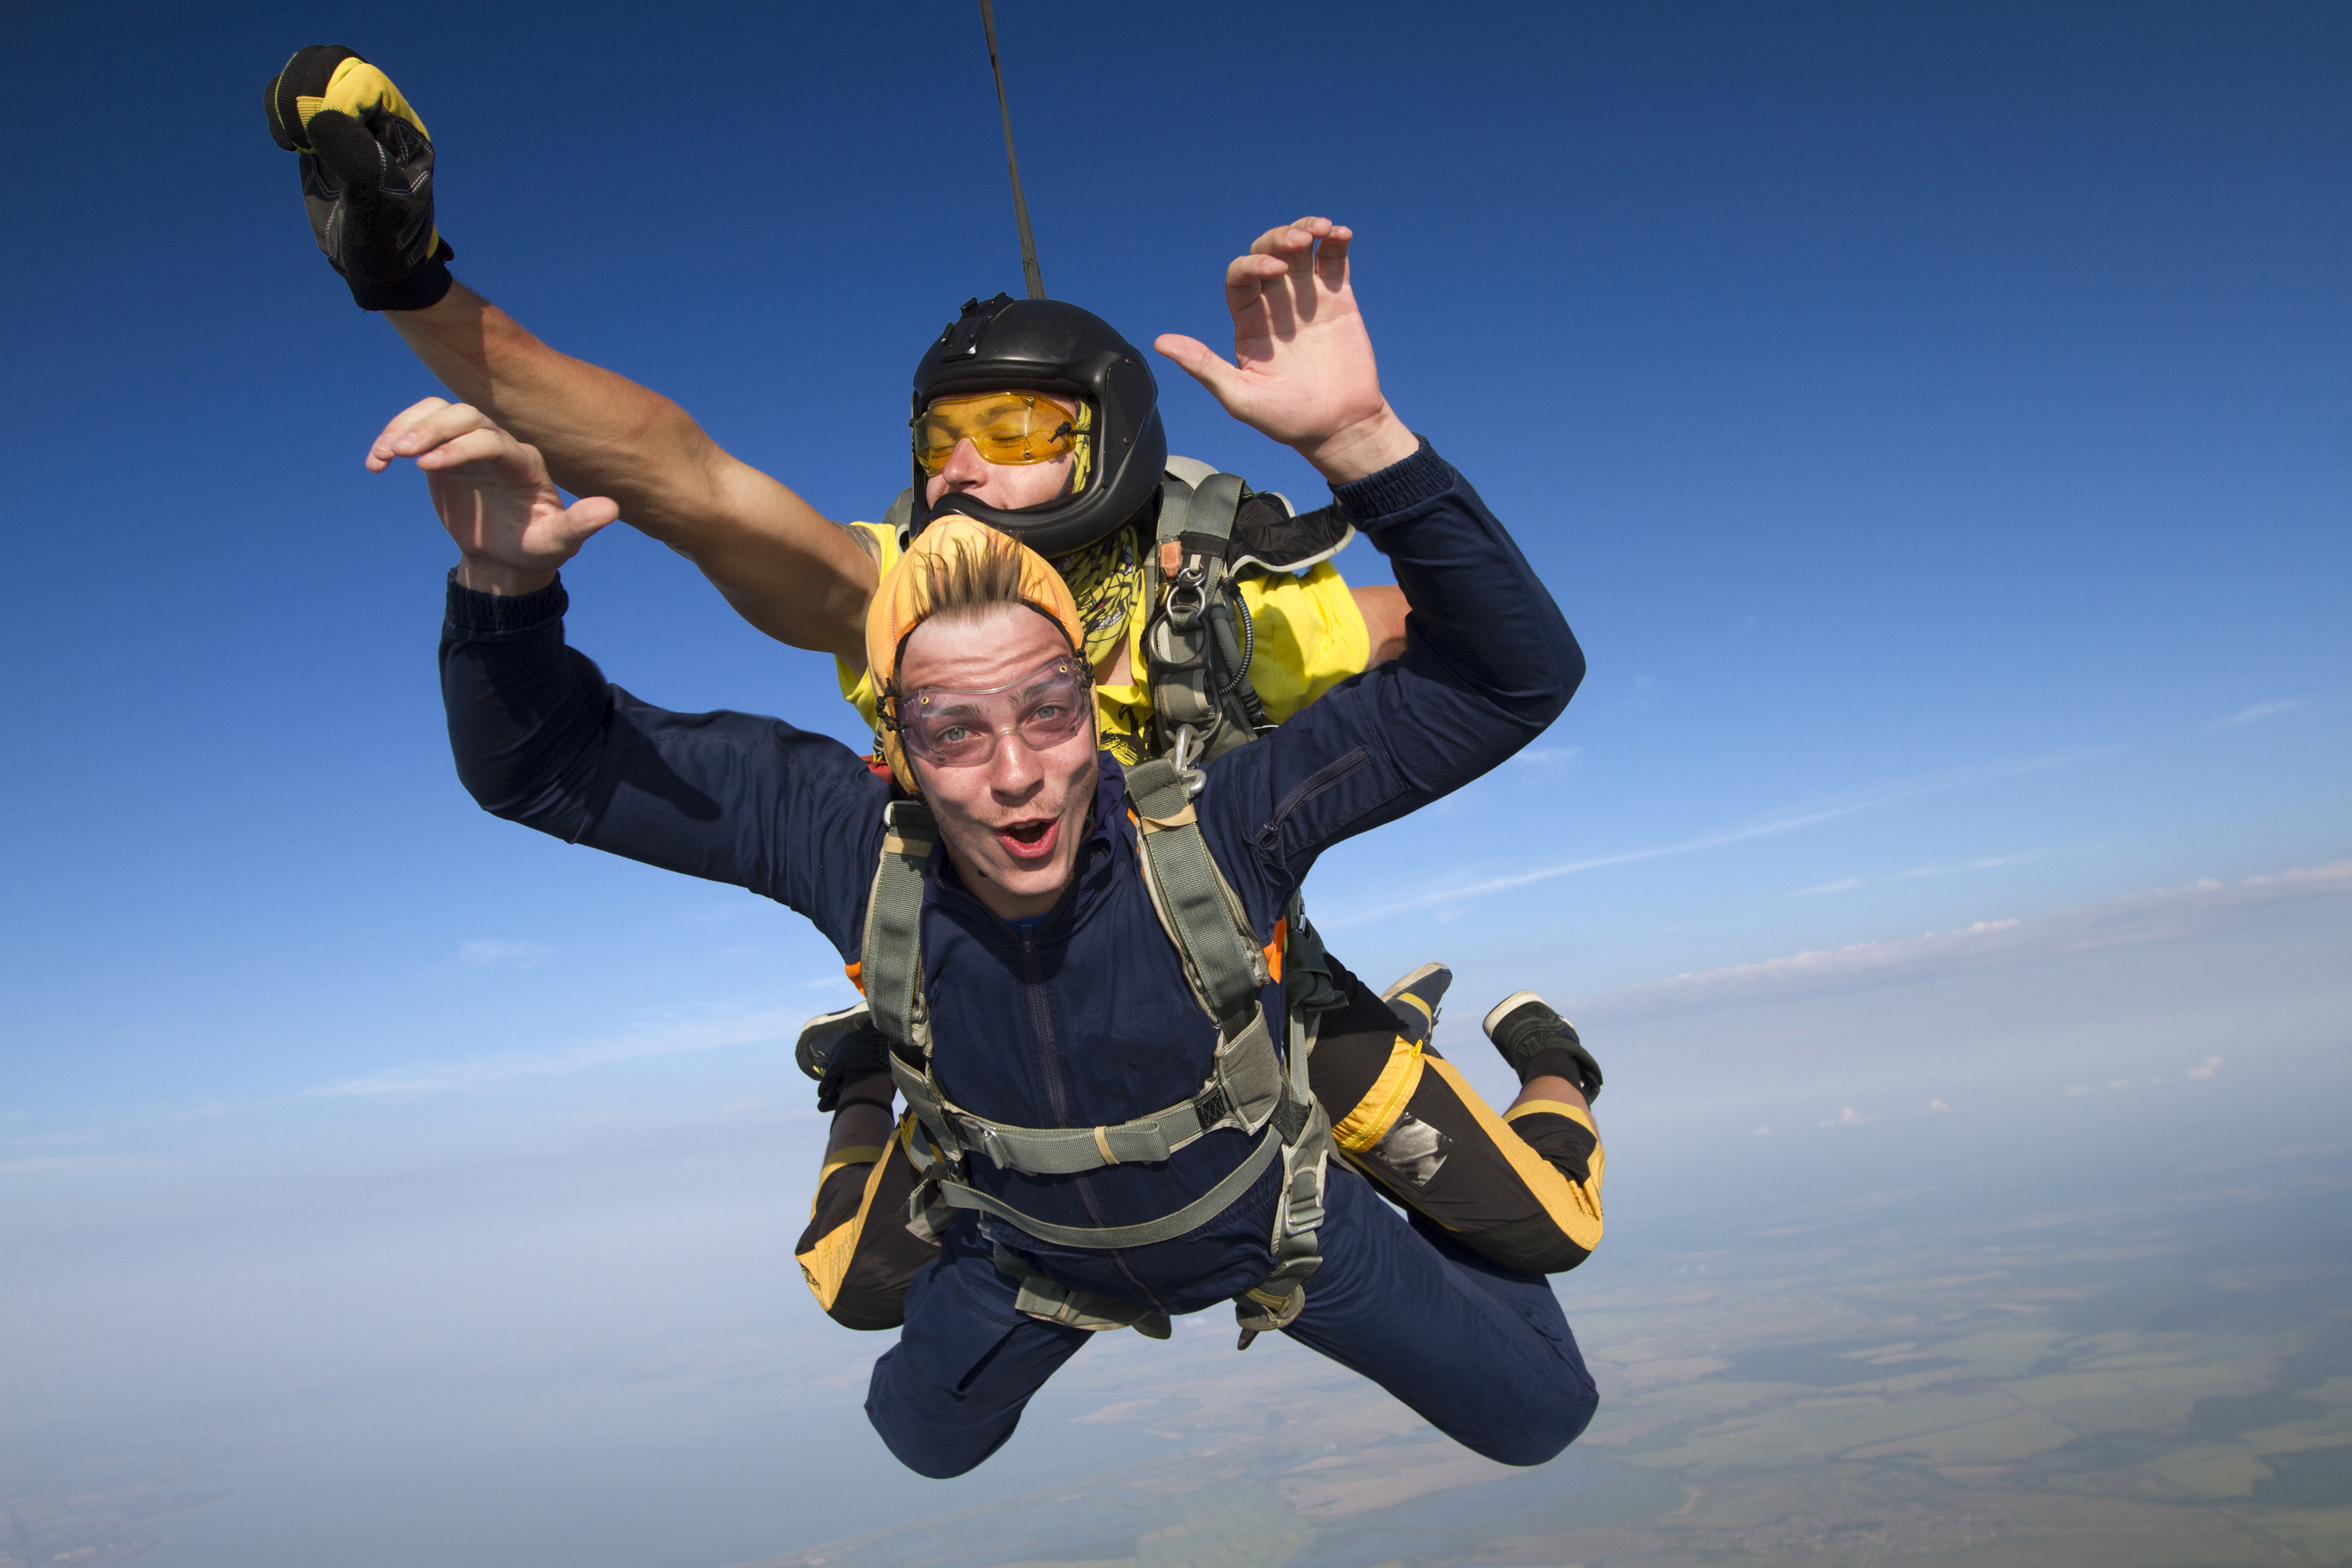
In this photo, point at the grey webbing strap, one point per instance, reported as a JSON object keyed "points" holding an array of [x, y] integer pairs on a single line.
{"points": [[1191, 470], [890, 962], [923, 1099], [1167, 1227], [1276, 1302], [1244, 1090], [1058, 1303], [1215, 500], [1191, 896], [1175, 505], [1197, 661]]}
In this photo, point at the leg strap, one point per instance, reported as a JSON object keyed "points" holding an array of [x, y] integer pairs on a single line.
{"points": [[1054, 1302]]}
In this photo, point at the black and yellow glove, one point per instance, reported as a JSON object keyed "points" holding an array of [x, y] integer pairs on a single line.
{"points": [[367, 176]]}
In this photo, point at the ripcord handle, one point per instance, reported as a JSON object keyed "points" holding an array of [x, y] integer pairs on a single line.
{"points": [[1036, 279]]}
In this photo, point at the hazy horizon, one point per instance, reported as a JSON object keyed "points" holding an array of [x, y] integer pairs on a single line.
{"points": [[1936, 423]]}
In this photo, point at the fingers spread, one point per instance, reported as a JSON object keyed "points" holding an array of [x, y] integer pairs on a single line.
{"points": [[1198, 360], [1189, 352], [1280, 240], [1331, 260], [1246, 276]]}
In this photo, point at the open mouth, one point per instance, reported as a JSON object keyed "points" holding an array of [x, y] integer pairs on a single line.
{"points": [[1033, 840]]}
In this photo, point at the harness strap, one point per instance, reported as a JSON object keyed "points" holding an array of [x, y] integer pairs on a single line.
{"points": [[1196, 653], [1167, 1227], [1244, 1090], [1278, 1298], [1058, 1303], [1193, 899], [891, 963]]}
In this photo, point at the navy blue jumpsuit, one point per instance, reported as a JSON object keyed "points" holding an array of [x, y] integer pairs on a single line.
{"points": [[1088, 1021]]}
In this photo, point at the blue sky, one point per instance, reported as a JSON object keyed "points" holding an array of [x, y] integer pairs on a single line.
{"points": [[1935, 420]]}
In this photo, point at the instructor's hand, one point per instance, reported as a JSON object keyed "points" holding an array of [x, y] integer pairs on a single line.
{"points": [[367, 175], [511, 526], [1305, 373]]}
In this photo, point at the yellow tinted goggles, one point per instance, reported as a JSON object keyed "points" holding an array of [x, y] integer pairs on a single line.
{"points": [[1004, 427]]}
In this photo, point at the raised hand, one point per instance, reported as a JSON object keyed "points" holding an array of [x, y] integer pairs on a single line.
{"points": [[493, 495], [1303, 370]]}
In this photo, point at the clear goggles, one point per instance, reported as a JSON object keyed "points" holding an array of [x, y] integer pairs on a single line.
{"points": [[1005, 426], [950, 729]]}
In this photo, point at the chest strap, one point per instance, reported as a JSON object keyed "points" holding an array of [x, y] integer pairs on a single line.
{"points": [[1167, 1227], [1245, 1090]]}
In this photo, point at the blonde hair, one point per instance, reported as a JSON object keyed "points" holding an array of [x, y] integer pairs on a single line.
{"points": [[966, 581]]}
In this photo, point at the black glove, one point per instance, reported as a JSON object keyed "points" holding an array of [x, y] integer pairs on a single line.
{"points": [[1570, 1060], [838, 1050], [367, 176]]}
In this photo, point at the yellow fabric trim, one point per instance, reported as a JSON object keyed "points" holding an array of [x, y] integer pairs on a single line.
{"points": [[1310, 637], [1102, 1146], [1555, 1107], [1574, 1208], [826, 1264], [859, 1154], [1378, 1111], [357, 88]]}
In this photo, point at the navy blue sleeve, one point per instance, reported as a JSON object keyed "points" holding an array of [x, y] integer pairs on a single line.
{"points": [[1488, 664], [541, 739]]}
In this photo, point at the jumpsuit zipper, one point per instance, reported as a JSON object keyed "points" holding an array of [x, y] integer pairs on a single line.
{"points": [[1049, 1064], [1269, 836]]}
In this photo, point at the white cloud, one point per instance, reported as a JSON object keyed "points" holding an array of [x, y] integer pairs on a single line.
{"points": [[1848, 1116], [2262, 711], [1761, 1133], [1842, 885], [1549, 756], [651, 1041], [502, 955], [2078, 1088], [1938, 1104], [2137, 918], [1985, 772], [2207, 1067]]}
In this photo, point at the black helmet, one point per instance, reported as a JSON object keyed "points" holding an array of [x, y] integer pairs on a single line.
{"points": [[1045, 345]]}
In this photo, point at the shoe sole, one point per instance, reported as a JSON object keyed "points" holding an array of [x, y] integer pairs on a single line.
{"points": [[1502, 1010], [1403, 989], [822, 1019]]}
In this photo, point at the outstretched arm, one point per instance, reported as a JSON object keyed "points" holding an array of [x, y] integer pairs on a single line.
{"points": [[366, 168], [784, 568], [541, 740]]}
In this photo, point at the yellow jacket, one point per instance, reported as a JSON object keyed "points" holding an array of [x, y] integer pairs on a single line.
{"points": [[1310, 637]]}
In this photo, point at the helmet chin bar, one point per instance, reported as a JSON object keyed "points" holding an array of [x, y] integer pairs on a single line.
{"points": [[1057, 348], [1041, 527]]}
